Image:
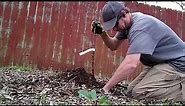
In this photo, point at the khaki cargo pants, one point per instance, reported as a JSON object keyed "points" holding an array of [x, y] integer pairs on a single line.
{"points": [[160, 82]]}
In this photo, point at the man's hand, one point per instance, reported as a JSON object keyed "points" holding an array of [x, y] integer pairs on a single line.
{"points": [[96, 27], [106, 90]]}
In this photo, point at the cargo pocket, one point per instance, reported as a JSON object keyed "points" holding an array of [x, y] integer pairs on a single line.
{"points": [[172, 77], [183, 88]]}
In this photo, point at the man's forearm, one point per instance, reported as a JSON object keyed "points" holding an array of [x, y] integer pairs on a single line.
{"points": [[122, 73], [109, 41], [126, 68]]}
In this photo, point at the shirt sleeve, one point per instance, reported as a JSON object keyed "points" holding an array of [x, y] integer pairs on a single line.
{"points": [[141, 42]]}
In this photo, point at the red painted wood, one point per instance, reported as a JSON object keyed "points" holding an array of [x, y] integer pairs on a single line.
{"points": [[10, 50], [56, 50], [45, 11], [29, 32], [179, 24], [1, 8], [157, 12], [174, 21], [183, 27], [1, 41], [47, 52], [37, 31], [20, 33]]}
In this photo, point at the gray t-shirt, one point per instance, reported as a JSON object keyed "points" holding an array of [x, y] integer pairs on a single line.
{"points": [[155, 41]]}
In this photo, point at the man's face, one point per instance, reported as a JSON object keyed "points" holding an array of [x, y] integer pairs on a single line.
{"points": [[121, 24]]}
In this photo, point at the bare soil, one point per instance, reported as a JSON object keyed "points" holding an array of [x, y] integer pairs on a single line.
{"points": [[48, 87]]}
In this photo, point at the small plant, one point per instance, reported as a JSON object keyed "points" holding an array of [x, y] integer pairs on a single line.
{"points": [[104, 101], [89, 95]]}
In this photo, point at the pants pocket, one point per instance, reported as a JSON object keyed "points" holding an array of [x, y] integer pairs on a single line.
{"points": [[183, 89], [171, 77]]}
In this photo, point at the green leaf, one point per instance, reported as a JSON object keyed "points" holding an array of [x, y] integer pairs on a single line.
{"points": [[84, 93], [90, 95], [93, 94], [104, 101]]}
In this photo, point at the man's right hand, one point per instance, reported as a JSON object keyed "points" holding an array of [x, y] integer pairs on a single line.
{"points": [[106, 90], [96, 27]]}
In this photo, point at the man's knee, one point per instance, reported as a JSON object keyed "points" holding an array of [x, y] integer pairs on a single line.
{"points": [[138, 93], [171, 93]]}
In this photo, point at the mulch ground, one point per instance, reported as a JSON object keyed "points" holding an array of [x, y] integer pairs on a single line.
{"points": [[46, 87]]}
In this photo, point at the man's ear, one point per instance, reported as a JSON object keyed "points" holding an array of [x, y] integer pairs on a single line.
{"points": [[123, 13]]}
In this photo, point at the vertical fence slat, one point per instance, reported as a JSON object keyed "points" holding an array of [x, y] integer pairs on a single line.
{"points": [[58, 32], [20, 28], [1, 41], [183, 27], [66, 42], [37, 36], [43, 33], [179, 24], [29, 32], [84, 39], [10, 52], [77, 44], [50, 41], [174, 26], [4, 27], [35, 30]]}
